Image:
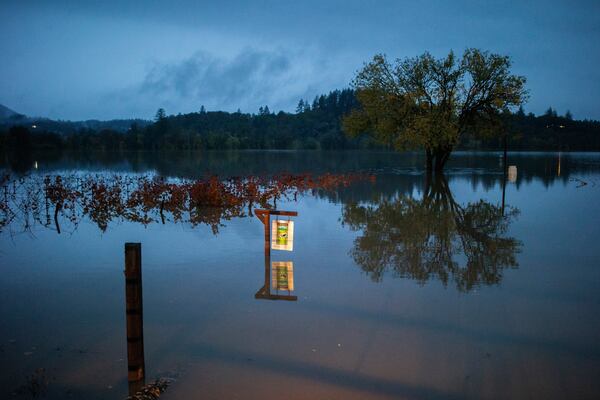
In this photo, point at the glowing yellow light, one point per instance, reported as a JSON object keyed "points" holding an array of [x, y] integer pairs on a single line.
{"points": [[512, 173], [282, 235]]}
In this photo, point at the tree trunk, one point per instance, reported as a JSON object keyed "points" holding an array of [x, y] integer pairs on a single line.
{"points": [[439, 164], [427, 185], [436, 159], [429, 160], [441, 157]]}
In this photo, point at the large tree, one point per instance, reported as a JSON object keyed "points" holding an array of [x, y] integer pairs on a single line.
{"points": [[428, 103]]}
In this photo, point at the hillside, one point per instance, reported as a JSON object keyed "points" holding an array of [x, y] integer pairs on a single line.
{"points": [[9, 118], [316, 125], [7, 113]]}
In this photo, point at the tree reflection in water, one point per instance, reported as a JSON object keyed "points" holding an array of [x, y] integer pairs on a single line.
{"points": [[434, 238]]}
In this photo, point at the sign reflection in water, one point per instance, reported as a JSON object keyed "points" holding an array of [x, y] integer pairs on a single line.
{"points": [[283, 275], [280, 273]]}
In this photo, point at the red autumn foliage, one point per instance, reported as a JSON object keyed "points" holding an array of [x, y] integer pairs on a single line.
{"points": [[144, 199]]}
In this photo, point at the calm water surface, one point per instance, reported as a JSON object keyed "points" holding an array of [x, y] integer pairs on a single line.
{"points": [[406, 288]]}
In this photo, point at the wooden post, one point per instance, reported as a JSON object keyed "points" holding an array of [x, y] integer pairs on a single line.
{"points": [[264, 217], [134, 312], [505, 170], [505, 156], [265, 292]]}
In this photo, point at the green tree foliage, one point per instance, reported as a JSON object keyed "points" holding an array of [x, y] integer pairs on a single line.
{"points": [[264, 110], [428, 103], [545, 132], [160, 115], [550, 112], [568, 115], [310, 129], [318, 127]]}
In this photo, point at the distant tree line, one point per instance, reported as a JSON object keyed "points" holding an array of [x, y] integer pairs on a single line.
{"points": [[315, 126], [549, 131]]}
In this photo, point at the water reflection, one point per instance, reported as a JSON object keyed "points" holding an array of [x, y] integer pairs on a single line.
{"points": [[279, 275], [346, 337], [433, 238], [481, 167], [30, 201]]}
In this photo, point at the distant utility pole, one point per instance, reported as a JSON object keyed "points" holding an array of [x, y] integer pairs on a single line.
{"points": [[505, 169]]}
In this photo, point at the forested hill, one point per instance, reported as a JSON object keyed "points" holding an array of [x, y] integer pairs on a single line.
{"points": [[65, 127], [545, 132], [315, 125]]}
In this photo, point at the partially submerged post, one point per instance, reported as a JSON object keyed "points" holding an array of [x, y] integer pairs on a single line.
{"points": [[504, 170], [265, 292], [134, 313]]}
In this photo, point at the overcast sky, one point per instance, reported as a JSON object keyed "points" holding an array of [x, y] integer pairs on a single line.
{"points": [[115, 59]]}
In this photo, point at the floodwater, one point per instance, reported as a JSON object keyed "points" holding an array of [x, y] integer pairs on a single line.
{"points": [[467, 285]]}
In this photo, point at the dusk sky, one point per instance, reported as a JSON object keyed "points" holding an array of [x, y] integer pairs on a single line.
{"points": [[113, 59]]}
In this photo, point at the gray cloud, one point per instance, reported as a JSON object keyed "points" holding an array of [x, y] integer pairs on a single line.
{"points": [[204, 77], [247, 80], [90, 59]]}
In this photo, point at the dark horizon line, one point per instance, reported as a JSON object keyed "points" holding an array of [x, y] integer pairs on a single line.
{"points": [[257, 113]]}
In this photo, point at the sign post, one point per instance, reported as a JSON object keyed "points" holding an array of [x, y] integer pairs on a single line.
{"points": [[282, 240]]}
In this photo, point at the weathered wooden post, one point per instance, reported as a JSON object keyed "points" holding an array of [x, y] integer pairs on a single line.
{"points": [[263, 216], [134, 312], [504, 170]]}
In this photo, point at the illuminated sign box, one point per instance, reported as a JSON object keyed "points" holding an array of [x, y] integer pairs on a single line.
{"points": [[282, 235], [512, 173]]}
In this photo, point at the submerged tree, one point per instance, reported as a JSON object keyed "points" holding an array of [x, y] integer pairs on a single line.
{"points": [[35, 200], [434, 238], [428, 103]]}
